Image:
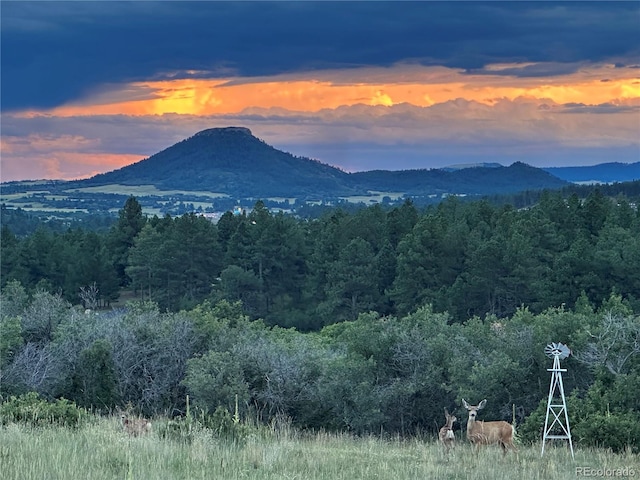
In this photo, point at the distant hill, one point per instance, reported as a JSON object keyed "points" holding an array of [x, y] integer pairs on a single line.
{"points": [[230, 160], [462, 166], [602, 173], [233, 161], [470, 181]]}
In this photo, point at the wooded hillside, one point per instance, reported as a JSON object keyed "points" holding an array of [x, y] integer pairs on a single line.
{"points": [[466, 258], [398, 313]]}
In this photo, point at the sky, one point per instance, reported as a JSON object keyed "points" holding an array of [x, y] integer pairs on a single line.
{"points": [[89, 87]]}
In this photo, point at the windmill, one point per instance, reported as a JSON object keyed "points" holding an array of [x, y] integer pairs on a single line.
{"points": [[558, 428]]}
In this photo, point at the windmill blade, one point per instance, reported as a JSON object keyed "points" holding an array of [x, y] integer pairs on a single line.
{"points": [[559, 350], [564, 351]]}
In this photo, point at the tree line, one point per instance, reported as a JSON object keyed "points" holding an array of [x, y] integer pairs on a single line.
{"points": [[466, 258]]}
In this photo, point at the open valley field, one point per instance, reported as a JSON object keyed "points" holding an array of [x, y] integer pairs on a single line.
{"points": [[144, 190], [104, 451]]}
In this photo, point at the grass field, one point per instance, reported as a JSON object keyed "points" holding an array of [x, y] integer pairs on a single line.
{"points": [[103, 451], [32, 200], [373, 197], [145, 190]]}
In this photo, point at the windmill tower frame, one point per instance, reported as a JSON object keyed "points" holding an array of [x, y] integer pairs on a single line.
{"points": [[556, 411]]}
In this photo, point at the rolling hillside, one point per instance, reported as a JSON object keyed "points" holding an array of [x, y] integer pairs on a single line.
{"points": [[468, 181], [234, 162], [602, 173], [231, 161]]}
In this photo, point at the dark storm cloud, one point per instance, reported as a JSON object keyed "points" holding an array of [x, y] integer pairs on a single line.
{"points": [[605, 108], [547, 69], [54, 52]]}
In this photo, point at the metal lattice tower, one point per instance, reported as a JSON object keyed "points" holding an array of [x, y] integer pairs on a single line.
{"points": [[557, 411]]}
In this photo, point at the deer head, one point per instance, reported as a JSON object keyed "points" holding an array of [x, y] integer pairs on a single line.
{"points": [[450, 419], [473, 410]]}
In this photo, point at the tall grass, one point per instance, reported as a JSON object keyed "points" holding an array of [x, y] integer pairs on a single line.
{"points": [[101, 450]]}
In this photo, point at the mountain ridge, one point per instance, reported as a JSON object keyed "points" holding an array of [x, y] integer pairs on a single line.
{"points": [[233, 161], [601, 173]]}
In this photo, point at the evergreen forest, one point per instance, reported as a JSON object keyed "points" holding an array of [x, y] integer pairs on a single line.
{"points": [[365, 321]]}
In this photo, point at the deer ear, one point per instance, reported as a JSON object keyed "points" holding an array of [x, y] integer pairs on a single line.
{"points": [[466, 405], [446, 412], [482, 404]]}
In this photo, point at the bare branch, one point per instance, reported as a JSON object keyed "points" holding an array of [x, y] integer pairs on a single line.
{"points": [[615, 343], [89, 296]]}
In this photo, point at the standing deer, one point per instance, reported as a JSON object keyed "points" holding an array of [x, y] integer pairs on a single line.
{"points": [[135, 426], [488, 433], [446, 435]]}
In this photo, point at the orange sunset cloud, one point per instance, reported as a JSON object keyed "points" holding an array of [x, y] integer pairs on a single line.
{"points": [[417, 86], [67, 165], [47, 154]]}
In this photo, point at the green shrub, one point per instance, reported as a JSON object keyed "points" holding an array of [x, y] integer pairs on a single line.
{"points": [[530, 431], [615, 431], [179, 430], [221, 424], [31, 409], [227, 427]]}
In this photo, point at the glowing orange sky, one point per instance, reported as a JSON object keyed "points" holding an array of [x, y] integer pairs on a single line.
{"points": [[418, 86]]}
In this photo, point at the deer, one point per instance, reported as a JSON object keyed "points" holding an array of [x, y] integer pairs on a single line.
{"points": [[135, 426], [446, 435], [488, 433]]}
